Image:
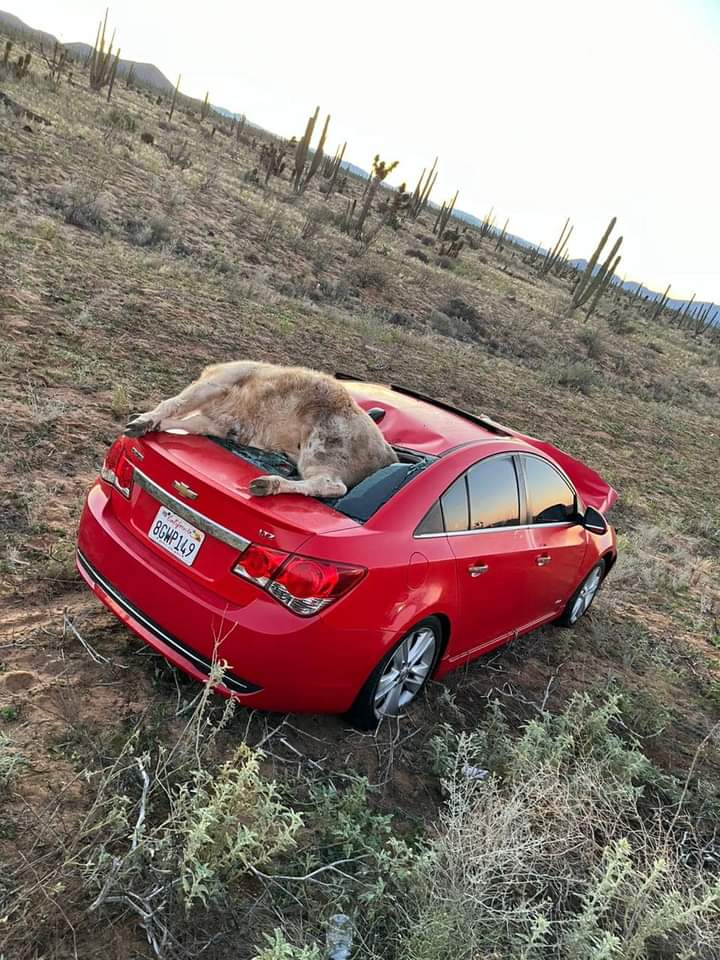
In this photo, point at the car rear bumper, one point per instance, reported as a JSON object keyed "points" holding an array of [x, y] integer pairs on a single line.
{"points": [[275, 659]]}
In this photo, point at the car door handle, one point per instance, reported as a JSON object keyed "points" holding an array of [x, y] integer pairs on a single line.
{"points": [[543, 560], [478, 569]]}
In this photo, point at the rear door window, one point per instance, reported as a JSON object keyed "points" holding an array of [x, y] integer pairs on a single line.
{"points": [[494, 496], [550, 498]]}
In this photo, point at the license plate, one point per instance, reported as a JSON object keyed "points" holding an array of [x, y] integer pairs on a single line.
{"points": [[176, 535]]}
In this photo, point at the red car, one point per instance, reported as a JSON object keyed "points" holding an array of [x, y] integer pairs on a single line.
{"points": [[477, 535]]}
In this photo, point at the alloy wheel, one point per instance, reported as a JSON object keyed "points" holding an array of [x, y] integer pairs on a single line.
{"points": [[405, 672], [586, 595]]}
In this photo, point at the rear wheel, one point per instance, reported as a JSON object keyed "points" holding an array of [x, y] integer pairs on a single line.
{"points": [[399, 677], [579, 603]]}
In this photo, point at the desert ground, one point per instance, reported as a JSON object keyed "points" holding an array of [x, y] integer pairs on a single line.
{"points": [[133, 252]]}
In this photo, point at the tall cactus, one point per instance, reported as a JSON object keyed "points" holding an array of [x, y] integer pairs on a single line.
{"points": [[661, 304], [501, 236], [333, 169], [103, 65], [555, 256], [6, 54], [301, 176], [602, 286], [685, 309], [421, 194], [590, 280], [205, 107], [443, 217], [174, 99]]}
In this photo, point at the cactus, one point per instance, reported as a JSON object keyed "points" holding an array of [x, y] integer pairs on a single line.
{"points": [[301, 177], [703, 319], [452, 243], [602, 285], [130, 76], [22, 66], [661, 304], [103, 66], [685, 309], [488, 224], [6, 54], [421, 194], [501, 236], [174, 99], [443, 217], [554, 257], [356, 226], [205, 107], [272, 159], [55, 66], [590, 280], [332, 168]]}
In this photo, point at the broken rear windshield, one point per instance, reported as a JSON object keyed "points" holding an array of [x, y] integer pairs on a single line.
{"points": [[360, 502]]}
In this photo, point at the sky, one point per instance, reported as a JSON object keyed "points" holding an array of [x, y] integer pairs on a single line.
{"points": [[541, 110]]}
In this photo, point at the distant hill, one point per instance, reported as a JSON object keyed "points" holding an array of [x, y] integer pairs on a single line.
{"points": [[151, 76], [146, 74], [16, 25]]}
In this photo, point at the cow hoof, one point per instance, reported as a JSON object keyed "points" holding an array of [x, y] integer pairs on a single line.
{"points": [[139, 426], [264, 486]]}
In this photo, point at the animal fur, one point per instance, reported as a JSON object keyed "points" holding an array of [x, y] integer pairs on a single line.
{"points": [[308, 416]]}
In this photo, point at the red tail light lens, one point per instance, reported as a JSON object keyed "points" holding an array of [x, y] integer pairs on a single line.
{"points": [[303, 584], [259, 563], [117, 469]]}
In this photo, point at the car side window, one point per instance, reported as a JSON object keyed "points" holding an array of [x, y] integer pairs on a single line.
{"points": [[550, 498], [432, 522], [454, 503], [494, 496]]}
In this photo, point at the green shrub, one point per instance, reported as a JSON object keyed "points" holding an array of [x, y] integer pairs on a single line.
{"points": [[11, 762]]}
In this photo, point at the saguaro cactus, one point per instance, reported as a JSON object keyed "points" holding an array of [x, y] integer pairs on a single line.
{"points": [[174, 99], [555, 256], [205, 107], [103, 66], [301, 176], [590, 280], [421, 194], [661, 304], [444, 214], [6, 54]]}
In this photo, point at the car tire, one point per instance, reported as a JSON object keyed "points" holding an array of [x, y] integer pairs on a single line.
{"points": [[405, 670], [581, 601]]}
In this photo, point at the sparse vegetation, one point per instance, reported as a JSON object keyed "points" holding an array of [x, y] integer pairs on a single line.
{"points": [[140, 821]]}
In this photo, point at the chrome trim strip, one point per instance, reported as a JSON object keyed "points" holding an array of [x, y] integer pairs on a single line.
{"points": [[229, 679], [187, 513], [518, 526]]}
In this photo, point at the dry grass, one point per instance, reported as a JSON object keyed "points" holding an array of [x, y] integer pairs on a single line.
{"points": [[114, 258]]}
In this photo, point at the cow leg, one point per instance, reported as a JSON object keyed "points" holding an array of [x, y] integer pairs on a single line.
{"points": [[191, 398], [317, 486], [198, 423]]}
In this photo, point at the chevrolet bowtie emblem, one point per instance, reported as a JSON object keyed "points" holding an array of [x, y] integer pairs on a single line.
{"points": [[184, 490]]}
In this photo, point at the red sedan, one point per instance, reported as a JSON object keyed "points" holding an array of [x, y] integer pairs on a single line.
{"points": [[476, 535]]}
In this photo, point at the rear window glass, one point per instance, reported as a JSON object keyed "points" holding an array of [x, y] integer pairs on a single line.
{"points": [[454, 503], [494, 497], [359, 503]]}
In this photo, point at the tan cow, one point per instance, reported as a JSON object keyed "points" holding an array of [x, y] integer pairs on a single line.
{"points": [[308, 416]]}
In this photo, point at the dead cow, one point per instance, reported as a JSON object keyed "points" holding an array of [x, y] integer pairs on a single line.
{"points": [[308, 416]]}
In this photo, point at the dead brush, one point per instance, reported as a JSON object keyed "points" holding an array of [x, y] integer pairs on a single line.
{"points": [[84, 205], [169, 836]]}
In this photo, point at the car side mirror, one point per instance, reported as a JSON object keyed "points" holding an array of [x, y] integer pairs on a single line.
{"points": [[594, 521]]}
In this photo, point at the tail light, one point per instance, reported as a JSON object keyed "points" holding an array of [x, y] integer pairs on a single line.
{"points": [[302, 584], [117, 469]]}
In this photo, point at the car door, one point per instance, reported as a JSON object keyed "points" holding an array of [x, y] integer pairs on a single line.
{"points": [[483, 512], [558, 541]]}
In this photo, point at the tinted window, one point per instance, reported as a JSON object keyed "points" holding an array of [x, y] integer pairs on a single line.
{"points": [[494, 498], [433, 522], [550, 499], [455, 506]]}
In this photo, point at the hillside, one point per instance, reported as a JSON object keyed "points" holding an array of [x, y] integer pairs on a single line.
{"points": [[136, 818]]}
